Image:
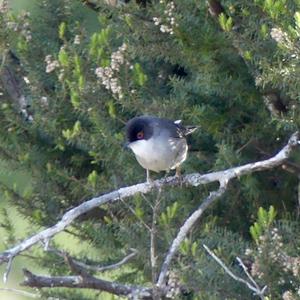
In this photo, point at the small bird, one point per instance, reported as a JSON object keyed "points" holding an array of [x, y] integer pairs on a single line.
{"points": [[158, 144]]}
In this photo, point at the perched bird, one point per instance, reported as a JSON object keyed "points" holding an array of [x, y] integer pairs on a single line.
{"points": [[158, 144]]}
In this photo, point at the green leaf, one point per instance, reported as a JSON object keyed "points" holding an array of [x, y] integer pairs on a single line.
{"points": [[229, 24], [225, 23], [128, 20], [139, 212], [139, 77], [77, 128], [297, 19], [75, 99], [63, 57], [185, 246], [247, 55], [111, 109], [62, 30], [163, 218], [77, 65], [81, 82], [194, 248], [103, 36], [69, 134], [271, 215], [264, 31], [92, 178]]}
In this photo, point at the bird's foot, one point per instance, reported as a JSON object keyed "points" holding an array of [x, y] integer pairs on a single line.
{"points": [[178, 176]]}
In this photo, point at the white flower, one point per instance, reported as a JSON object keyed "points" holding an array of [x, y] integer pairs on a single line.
{"points": [[77, 39], [4, 6], [26, 80], [51, 65]]}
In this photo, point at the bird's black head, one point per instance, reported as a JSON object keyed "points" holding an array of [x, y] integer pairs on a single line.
{"points": [[139, 128]]}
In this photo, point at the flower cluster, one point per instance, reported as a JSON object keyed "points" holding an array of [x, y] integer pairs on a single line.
{"points": [[108, 75], [77, 40], [288, 295], [22, 26], [272, 262], [173, 285], [4, 7], [278, 35], [282, 38], [51, 64], [167, 23]]}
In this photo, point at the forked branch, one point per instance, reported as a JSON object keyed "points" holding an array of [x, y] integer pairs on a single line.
{"points": [[195, 179]]}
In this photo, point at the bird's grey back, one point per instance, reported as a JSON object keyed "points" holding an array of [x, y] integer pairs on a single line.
{"points": [[175, 130]]}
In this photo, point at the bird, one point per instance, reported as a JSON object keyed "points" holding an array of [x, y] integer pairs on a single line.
{"points": [[158, 144]]}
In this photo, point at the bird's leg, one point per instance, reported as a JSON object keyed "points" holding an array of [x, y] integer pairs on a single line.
{"points": [[149, 180], [178, 175], [178, 172]]}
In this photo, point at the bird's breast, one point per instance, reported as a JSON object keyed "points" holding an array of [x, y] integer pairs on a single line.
{"points": [[160, 154]]}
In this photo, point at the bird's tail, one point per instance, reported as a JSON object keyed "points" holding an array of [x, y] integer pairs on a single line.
{"points": [[190, 129]]}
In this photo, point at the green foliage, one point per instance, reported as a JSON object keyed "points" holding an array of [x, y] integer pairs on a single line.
{"points": [[275, 259], [225, 23], [139, 77], [264, 221], [179, 62]]}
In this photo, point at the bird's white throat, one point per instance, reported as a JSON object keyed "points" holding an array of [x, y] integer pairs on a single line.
{"points": [[141, 148]]}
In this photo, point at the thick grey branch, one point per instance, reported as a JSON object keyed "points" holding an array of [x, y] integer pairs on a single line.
{"points": [[223, 177], [195, 179], [84, 282]]}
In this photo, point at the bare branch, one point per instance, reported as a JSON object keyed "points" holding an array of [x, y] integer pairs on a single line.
{"points": [[8, 268], [153, 236], [195, 179], [153, 240], [223, 177], [253, 287], [248, 274], [185, 228], [109, 267], [97, 268], [84, 282]]}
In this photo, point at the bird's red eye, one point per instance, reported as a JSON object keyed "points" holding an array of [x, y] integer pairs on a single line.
{"points": [[140, 135]]}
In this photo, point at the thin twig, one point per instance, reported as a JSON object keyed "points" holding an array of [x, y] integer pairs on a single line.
{"points": [[153, 240], [255, 288], [109, 267], [146, 200], [137, 216], [249, 275], [8, 269], [3, 60], [97, 268]]}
